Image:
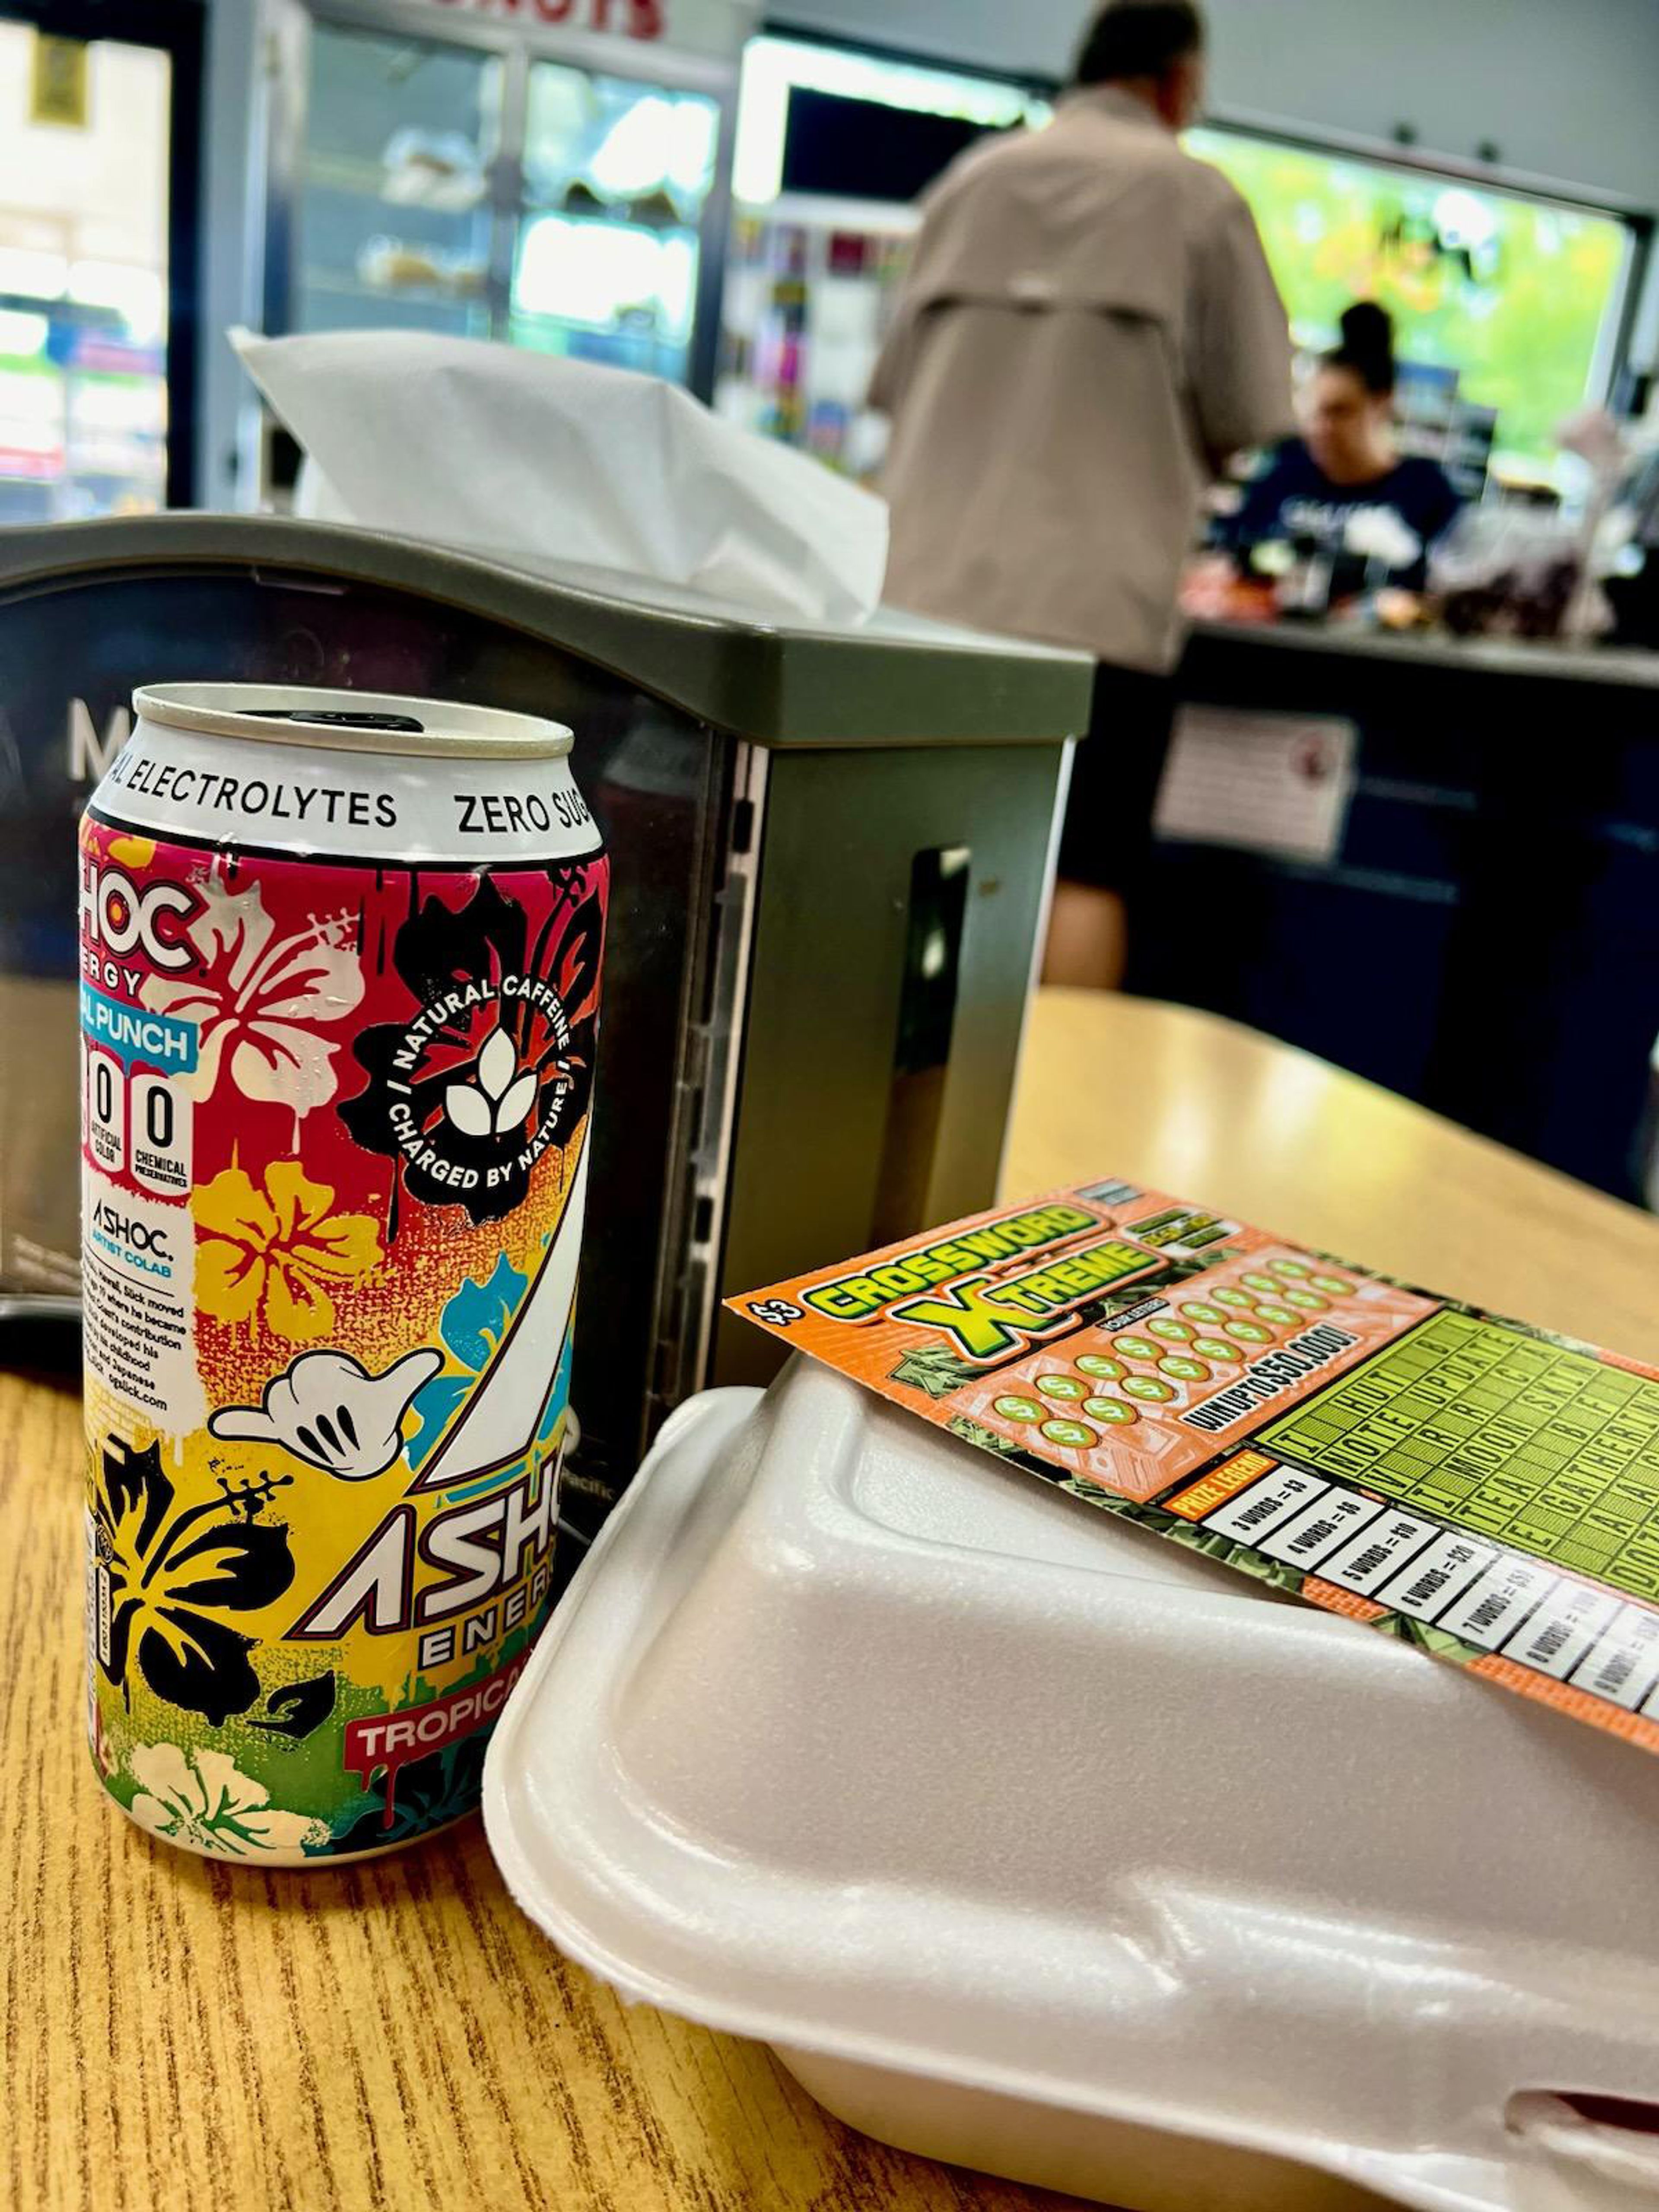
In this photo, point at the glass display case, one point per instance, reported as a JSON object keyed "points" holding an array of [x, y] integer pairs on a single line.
{"points": [[617, 175], [498, 179], [394, 218]]}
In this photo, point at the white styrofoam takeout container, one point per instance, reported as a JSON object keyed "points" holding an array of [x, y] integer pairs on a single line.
{"points": [[1035, 1843]]}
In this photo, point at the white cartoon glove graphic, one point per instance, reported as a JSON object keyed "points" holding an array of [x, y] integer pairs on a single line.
{"points": [[328, 1410], [501, 1098]]}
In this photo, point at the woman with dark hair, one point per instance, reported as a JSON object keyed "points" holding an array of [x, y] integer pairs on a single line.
{"points": [[1345, 466]]}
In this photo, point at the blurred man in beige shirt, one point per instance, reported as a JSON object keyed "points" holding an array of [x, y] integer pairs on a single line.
{"points": [[1088, 329]]}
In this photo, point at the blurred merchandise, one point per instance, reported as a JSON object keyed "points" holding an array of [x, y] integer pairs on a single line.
{"points": [[1400, 611], [617, 181], [1377, 536], [1506, 572], [97, 212], [1303, 583], [494, 188], [1516, 570], [1433, 423], [1347, 566], [1214, 591], [437, 169], [835, 147], [1632, 583], [387, 264], [809, 293], [1593, 437]]}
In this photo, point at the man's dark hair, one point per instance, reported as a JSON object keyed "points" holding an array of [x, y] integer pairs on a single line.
{"points": [[1138, 39]]}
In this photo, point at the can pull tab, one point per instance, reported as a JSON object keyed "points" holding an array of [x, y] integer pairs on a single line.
{"points": [[1589, 2153], [340, 719]]}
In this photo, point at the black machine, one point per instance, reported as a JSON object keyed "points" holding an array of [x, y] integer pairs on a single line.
{"points": [[828, 849]]}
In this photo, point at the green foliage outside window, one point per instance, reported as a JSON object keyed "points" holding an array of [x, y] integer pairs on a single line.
{"points": [[1511, 292]]}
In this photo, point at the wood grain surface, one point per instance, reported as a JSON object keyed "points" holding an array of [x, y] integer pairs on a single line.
{"points": [[1209, 1111], [395, 2035]]}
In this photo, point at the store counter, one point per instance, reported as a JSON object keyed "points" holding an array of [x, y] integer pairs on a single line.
{"points": [[1622, 667], [1480, 929]]}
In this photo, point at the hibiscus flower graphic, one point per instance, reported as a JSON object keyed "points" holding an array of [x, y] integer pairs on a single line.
{"points": [[173, 1576], [279, 1252], [261, 1000], [202, 1800]]}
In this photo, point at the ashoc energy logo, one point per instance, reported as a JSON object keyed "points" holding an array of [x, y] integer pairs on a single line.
{"points": [[144, 1244], [121, 918]]}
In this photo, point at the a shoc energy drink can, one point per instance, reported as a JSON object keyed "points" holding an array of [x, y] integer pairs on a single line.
{"points": [[340, 960]]}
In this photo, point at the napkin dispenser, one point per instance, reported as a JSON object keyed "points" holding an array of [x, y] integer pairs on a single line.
{"points": [[831, 848]]}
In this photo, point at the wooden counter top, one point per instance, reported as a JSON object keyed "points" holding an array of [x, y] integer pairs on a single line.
{"points": [[394, 2035]]}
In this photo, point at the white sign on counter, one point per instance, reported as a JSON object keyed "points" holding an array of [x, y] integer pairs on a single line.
{"points": [[1267, 783]]}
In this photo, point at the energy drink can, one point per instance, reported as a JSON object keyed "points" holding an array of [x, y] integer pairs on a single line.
{"points": [[340, 966]]}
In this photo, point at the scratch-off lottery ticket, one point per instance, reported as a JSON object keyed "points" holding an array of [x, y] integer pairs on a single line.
{"points": [[1478, 1487]]}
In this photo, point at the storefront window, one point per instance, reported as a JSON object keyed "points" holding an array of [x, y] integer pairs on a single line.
{"points": [[1518, 297]]}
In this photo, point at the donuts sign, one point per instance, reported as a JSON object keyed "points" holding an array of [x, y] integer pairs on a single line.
{"points": [[714, 28]]}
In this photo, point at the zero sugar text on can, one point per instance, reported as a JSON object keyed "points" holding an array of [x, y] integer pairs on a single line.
{"points": [[339, 985]]}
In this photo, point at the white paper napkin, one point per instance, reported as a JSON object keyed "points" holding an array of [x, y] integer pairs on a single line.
{"points": [[499, 451]]}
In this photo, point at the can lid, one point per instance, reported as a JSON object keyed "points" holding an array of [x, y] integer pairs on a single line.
{"points": [[351, 722]]}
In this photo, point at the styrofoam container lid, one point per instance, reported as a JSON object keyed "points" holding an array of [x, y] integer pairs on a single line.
{"points": [[984, 1807]]}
